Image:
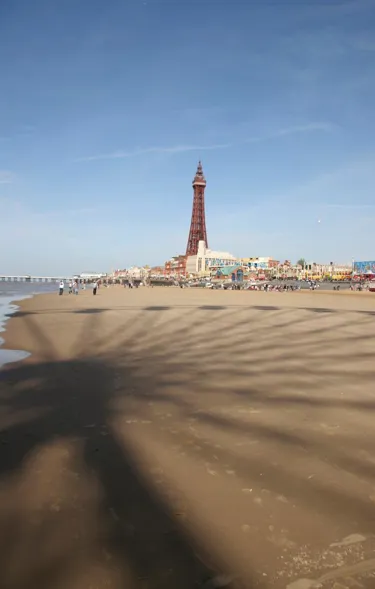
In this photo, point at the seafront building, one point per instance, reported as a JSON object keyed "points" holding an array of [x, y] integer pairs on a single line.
{"points": [[91, 275], [332, 271], [262, 263], [176, 266], [206, 259], [132, 273]]}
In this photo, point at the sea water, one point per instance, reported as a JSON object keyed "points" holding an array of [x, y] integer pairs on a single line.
{"points": [[10, 293]]}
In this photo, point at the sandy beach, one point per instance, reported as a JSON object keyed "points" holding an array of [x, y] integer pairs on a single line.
{"points": [[176, 439]]}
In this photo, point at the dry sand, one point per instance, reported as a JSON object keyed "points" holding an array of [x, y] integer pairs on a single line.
{"points": [[168, 438]]}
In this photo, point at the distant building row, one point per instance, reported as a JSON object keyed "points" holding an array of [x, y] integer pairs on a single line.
{"points": [[213, 263]]}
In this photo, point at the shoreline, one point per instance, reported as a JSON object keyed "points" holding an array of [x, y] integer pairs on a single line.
{"points": [[18, 338], [12, 298], [10, 355], [11, 352]]}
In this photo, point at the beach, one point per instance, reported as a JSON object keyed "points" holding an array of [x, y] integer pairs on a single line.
{"points": [[180, 438]]}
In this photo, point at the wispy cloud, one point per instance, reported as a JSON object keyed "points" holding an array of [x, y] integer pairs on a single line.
{"points": [[158, 150], [175, 149], [358, 206], [293, 130], [7, 177], [322, 126]]}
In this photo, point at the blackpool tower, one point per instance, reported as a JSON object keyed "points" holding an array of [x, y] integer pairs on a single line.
{"points": [[197, 231]]}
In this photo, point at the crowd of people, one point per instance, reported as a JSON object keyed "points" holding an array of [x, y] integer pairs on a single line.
{"points": [[75, 285], [275, 287]]}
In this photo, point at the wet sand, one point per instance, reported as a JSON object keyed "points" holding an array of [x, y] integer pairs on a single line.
{"points": [[168, 438]]}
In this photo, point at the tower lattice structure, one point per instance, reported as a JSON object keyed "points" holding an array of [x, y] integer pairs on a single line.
{"points": [[197, 231]]}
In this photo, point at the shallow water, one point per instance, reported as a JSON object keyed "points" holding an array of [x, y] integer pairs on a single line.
{"points": [[10, 293]]}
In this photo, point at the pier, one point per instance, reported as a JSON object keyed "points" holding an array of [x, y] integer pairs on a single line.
{"points": [[4, 278]]}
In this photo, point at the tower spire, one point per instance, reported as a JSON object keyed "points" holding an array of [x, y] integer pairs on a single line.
{"points": [[197, 231], [200, 170]]}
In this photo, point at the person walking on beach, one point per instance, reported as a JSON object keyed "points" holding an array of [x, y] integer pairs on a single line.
{"points": [[61, 287], [75, 288], [70, 287], [94, 288]]}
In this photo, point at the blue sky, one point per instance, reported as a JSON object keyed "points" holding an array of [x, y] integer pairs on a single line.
{"points": [[106, 107]]}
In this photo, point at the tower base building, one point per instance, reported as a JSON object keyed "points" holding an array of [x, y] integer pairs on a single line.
{"points": [[205, 260]]}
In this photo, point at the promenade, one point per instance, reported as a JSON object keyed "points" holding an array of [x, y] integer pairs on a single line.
{"points": [[181, 438]]}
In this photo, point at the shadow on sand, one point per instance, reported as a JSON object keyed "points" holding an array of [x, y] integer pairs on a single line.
{"points": [[136, 531], [76, 503]]}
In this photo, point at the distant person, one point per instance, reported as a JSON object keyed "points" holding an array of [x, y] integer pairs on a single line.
{"points": [[94, 288], [70, 287], [61, 287], [75, 288]]}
